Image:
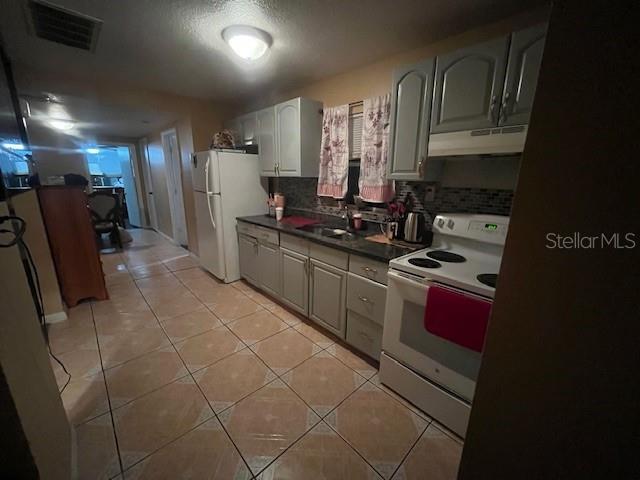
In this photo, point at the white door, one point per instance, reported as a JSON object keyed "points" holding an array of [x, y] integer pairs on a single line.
{"points": [[171, 152], [129, 182], [148, 184]]}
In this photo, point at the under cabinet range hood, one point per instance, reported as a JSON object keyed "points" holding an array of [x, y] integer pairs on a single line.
{"points": [[486, 141]]}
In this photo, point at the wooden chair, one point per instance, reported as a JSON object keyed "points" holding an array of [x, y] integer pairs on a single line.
{"points": [[105, 213]]}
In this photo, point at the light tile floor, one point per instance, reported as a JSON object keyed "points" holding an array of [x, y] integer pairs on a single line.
{"points": [[180, 376]]}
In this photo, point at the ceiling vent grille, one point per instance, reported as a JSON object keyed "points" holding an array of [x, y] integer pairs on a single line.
{"points": [[57, 24]]}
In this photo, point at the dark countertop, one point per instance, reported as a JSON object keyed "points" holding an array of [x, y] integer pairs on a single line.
{"points": [[376, 251]]}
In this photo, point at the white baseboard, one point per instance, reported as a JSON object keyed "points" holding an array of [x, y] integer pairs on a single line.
{"points": [[56, 317]]}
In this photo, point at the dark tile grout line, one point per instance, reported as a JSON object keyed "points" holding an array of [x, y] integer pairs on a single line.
{"points": [[106, 386], [278, 377]]}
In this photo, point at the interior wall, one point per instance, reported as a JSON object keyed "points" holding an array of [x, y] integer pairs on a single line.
{"points": [[195, 130], [35, 236], [55, 153], [25, 362], [557, 393]]}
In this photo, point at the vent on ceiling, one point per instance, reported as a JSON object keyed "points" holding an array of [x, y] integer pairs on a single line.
{"points": [[61, 25]]}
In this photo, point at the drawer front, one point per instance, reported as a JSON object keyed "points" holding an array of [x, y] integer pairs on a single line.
{"points": [[334, 257], [364, 335], [246, 229], [366, 298], [267, 235], [365, 267], [296, 244]]}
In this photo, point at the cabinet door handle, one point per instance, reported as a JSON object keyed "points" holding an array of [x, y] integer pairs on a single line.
{"points": [[365, 299], [275, 170], [369, 269], [421, 167], [504, 108], [492, 107]]}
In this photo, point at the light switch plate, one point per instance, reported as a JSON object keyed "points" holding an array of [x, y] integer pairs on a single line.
{"points": [[430, 193]]}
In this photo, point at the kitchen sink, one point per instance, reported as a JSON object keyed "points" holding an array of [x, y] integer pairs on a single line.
{"points": [[328, 231]]}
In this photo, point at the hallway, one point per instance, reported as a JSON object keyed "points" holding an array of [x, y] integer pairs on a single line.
{"points": [[181, 376]]}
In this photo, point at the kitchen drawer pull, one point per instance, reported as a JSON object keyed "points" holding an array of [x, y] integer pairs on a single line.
{"points": [[369, 269], [365, 299]]}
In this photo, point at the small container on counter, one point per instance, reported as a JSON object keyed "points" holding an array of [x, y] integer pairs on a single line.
{"points": [[357, 221], [279, 213]]}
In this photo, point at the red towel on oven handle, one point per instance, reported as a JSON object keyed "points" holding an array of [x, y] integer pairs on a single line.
{"points": [[457, 317]]}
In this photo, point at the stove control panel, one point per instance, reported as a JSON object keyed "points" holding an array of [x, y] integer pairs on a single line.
{"points": [[485, 228]]}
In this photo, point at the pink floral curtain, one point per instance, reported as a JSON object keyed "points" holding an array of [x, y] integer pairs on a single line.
{"points": [[373, 183], [334, 153]]}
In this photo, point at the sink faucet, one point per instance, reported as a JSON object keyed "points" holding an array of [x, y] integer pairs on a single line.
{"points": [[346, 218]]}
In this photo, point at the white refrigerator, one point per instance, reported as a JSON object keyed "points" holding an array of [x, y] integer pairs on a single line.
{"points": [[226, 185]]}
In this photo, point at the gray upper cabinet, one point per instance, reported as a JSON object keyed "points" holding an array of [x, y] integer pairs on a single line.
{"points": [[248, 124], [410, 113], [288, 138], [525, 58], [266, 136], [468, 87]]}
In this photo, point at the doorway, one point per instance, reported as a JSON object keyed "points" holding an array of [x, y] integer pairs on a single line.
{"points": [[113, 168], [171, 150], [148, 183]]}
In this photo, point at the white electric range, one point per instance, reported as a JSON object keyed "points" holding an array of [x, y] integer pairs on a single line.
{"points": [[433, 373]]}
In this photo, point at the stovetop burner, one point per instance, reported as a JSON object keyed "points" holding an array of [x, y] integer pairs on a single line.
{"points": [[488, 279], [445, 256], [424, 263]]}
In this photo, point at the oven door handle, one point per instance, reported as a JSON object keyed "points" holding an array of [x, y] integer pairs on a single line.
{"points": [[408, 279]]}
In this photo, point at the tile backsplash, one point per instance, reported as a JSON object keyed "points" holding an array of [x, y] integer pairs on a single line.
{"points": [[301, 195]]}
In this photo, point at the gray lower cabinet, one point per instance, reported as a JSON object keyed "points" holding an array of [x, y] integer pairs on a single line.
{"points": [[248, 256], [468, 87], [328, 288], [295, 280], [412, 89], [269, 267], [525, 59]]}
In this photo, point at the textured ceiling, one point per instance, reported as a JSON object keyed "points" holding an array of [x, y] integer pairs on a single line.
{"points": [[175, 45]]}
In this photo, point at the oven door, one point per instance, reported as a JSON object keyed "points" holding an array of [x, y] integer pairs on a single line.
{"points": [[405, 339]]}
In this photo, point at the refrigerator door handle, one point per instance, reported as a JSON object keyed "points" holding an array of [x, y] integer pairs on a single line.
{"points": [[211, 215], [206, 176]]}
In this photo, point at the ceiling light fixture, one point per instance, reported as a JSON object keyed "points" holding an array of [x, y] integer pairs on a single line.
{"points": [[93, 150], [63, 125], [247, 42]]}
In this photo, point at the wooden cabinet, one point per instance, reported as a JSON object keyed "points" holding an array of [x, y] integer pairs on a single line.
{"points": [[525, 59], [269, 268], [265, 134], [328, 287], [295, 280], [468, 87], [248, 256], [65, 211], [412, 89]]}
